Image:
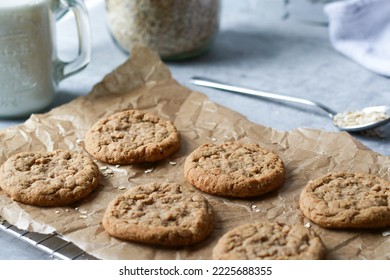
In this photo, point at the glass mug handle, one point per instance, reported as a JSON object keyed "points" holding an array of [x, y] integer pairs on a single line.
{"points": [[66, 69]]}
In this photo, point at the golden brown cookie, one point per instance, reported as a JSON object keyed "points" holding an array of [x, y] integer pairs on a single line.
{"points": [[159, 213], [269, 241], [234, 169], [132, 136], [347, 200], [48, 178]]}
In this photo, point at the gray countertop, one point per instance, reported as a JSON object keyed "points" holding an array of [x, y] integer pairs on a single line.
{"points": [[255, 48]]}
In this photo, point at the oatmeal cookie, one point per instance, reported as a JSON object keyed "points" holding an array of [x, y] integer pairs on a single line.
{"points": [[234, 169], [48, 178], [269, 241], [132, 136], [347, 200], [159, 213]]}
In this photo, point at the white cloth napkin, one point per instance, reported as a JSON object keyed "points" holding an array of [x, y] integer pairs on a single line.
{"points": [[360, 29]]}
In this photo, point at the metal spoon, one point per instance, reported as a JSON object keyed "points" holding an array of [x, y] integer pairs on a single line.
{"points": [[382, 113]]}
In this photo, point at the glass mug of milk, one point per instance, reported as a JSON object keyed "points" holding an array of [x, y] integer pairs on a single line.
{"points": [[30, 70]]}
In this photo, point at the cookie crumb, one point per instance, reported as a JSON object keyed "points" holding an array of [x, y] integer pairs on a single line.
{"points": [[307, 225], [57, 212], [254, 208], [106, 171], [61, 130], [150, 170]]}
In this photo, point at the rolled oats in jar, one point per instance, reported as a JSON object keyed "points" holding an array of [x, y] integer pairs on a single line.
{"points": [[176, 29]]}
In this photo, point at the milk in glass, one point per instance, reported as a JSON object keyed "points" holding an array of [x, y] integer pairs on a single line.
{"points": [[27, 82]]}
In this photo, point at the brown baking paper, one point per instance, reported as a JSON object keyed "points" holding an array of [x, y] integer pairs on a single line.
{"points": [[144, 82]]}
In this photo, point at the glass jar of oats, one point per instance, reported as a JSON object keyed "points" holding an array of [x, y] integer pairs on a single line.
{"points": [[176, 29]]}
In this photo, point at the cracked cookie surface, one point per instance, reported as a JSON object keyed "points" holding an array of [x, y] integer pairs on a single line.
{"points": [[159, 213], [269, 241], [234, 169], [347, 200], [48, 178], [132, 136]]}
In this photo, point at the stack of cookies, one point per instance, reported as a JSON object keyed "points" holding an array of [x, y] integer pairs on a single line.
{"points": [[174, 214]]}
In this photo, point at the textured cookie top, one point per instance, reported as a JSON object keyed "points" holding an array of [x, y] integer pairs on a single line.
{"points": [[234, 169], [269, 241], [48, 178], [164, 214], [347, 200], [132, 137]]}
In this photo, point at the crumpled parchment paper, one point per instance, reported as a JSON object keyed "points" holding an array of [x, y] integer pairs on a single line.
{"points": [[143, 82]]}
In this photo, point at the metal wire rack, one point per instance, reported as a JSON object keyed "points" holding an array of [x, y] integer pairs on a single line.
{"points": [[53, 244]]}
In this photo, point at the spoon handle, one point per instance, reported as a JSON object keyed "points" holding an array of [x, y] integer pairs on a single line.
{"points": [[200, 81]]}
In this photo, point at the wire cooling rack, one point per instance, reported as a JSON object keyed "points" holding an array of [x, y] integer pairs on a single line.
{"points": [[53, 244]]}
